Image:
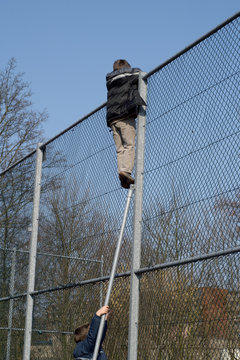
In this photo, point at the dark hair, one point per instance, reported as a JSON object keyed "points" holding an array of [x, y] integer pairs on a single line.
{"points": [[120, 63], [81, 332]]}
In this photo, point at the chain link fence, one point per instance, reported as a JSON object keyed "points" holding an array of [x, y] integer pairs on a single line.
{"points": [[192, 171], [189, 282], [193, 311]]}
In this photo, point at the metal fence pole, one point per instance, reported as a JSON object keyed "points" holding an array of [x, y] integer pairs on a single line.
{"points": [[136, 251], [12, 281], [113, 272], [101, 284], [32, 255]]}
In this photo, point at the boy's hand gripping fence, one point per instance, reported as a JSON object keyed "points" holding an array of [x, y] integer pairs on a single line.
{"points": [[113, 271]]}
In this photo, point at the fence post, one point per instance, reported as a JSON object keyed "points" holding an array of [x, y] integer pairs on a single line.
{"points": [[32, 255], [12, 281], [101, 284], [136, 250]]}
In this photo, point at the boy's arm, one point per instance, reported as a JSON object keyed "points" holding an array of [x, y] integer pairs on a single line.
{"points": [[89, 342]]}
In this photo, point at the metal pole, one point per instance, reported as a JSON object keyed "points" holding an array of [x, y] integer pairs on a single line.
{"points": [[12, 281], [113, 271], [101, 284], [32, 255], [136, 251]]}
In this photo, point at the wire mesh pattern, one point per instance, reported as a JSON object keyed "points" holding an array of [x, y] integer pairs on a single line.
{"points": [[16, 197], [190, 207], [66, 310], [82, 202], [192, 151], [192, 311], [16, 188]]}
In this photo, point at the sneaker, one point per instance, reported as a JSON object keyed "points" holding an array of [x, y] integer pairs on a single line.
{"points": [[124, 183], [126, 177]]}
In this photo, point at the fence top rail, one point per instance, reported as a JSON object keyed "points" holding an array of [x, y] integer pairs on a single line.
{"points": [[43, 146], [75, 124], [196, 42], [235, 16], [18, 162]]}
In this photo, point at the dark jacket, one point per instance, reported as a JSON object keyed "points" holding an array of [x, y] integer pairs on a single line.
{"points": [[123, 97], [85, 348]]}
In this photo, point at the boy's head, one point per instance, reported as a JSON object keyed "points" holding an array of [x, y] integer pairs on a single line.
{"points": [[119, 64], [81, 332]]}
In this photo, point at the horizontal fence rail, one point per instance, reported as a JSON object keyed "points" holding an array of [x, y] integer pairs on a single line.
{"points": [[128, 273], [188, 277]]}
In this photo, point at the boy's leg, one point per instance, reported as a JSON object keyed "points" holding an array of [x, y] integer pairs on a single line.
{"points": [[125, 183], [119, 146], [127, 129]]}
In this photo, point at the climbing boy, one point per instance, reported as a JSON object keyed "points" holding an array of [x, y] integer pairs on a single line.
{"points": [[123, 101], [86, 335]]}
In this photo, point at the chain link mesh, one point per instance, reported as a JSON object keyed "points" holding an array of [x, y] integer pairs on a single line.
{"points": [[16, 203], [190, 207], [191, 311], [192, 173], [82, 203]]}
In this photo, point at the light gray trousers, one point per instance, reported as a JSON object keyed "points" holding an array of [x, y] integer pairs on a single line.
{"points": [[124, 132]]}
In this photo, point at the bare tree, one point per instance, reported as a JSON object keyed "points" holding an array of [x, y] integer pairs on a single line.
{"points": [[20, 130], [20, 125]]}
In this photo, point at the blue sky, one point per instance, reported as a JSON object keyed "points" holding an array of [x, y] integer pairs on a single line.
{"points": [[66, 47]]}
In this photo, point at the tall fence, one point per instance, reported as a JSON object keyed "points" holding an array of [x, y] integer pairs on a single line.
{"points": [[189, 275]]}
